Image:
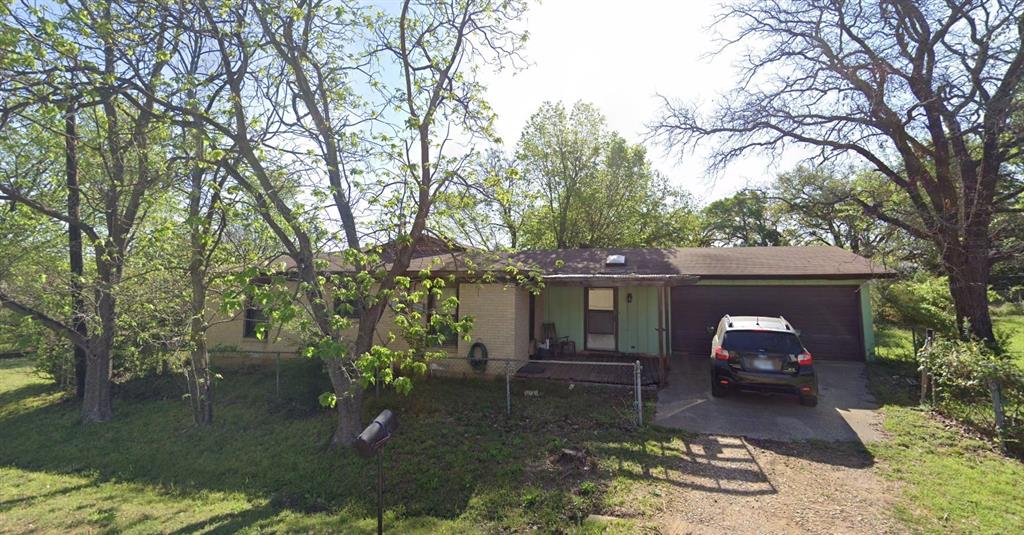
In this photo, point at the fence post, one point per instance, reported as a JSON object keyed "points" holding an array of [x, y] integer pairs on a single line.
{"points": [[277, 374], [926, 377], [508, 388], [997, 407], [637, 371]]}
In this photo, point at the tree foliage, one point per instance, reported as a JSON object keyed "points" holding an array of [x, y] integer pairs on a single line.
{"points": [[746, 218], [589, 187]]}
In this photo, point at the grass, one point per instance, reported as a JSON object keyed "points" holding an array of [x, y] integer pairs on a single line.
{"points": [[456, 464], [1012, 326], [953, 483]]}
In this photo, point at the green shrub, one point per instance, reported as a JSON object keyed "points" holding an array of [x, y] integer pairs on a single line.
{"points": [[922, 301], [965, 369], [962, 375]]}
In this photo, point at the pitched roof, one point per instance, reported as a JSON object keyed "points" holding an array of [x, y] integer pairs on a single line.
{"points": [[711, 262], [809, 262]]}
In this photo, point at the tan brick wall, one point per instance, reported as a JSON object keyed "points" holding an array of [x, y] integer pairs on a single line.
{"points": [[501, 322], [501, 318], [226, 332]]}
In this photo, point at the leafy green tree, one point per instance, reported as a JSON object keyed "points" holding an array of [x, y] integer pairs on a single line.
{"points": [[75, 57], [817, 207], [560, 153], [308, 59], [591, 188], [746, 219]]}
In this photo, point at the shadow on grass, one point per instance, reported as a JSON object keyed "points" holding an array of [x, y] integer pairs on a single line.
{"points": [[716, 464], [456, 454], [24, 392], [11, 503], [228, 522]]}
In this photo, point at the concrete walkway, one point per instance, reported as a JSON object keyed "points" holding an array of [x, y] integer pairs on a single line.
{"points": [[845, 411]]}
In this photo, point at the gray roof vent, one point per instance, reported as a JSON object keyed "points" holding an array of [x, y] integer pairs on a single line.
{"points": [[615, 260]]}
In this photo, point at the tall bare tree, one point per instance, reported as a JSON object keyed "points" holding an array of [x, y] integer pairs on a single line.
{"points": [[921, 91]]}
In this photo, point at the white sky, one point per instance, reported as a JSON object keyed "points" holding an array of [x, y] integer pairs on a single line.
{"points": [[620, 55]]}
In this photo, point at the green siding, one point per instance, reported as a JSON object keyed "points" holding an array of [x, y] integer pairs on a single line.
{"points": [[867, 321], [638, 320], [563, 306]]}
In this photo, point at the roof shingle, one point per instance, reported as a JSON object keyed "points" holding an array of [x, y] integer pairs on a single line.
{"points": [[712, 262]]}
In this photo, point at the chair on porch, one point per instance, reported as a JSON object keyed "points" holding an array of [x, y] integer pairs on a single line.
{"points": [[559, 345]]}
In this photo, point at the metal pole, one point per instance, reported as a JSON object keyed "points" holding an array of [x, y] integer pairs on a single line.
{"points": [[508, 388], [637, 370], [277, 378], [380, 493]]}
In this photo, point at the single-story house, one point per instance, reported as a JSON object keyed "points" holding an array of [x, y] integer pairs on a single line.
{"points": [[653, 303]]}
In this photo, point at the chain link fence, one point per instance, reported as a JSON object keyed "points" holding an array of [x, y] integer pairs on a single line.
{"points": [[983, 393], [548, 390], [606, 374]]}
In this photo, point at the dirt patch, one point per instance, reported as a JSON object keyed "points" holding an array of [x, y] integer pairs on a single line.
{"points": [[716, 484]]}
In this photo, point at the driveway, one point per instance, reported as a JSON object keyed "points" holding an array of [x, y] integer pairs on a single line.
{"points": [[845, 411]]}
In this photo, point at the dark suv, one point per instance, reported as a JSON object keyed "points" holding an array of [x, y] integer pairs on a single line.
{"points": [[761, 353]]}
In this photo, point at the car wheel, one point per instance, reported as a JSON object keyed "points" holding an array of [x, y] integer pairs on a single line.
{"points": [[809, 401], [719, 390]]}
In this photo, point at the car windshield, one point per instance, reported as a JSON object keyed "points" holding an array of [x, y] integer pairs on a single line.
{"points": [[766, 341]]}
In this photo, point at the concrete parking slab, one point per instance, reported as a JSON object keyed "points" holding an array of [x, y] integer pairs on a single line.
{"points": [[845, 411]]}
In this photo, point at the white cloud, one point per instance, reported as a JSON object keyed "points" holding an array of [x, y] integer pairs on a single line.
{"points": [[620, 55]]}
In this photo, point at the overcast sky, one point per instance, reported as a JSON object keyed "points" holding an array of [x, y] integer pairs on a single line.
{"points": [[620, 55]]}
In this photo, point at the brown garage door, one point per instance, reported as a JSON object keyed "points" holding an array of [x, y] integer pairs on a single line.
{"points": [[828, 317]]}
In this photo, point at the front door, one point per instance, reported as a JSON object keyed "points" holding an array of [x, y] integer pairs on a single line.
{"points": [[599, 318]]}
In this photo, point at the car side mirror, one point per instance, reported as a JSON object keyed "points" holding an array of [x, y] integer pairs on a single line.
{"points": [[796, 332], [711, 329]]}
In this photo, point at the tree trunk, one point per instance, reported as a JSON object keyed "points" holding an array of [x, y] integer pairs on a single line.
{"points": [[968, 270], [200, 384], [97, 406], [75, 242], [199, 376], [349, 406], [970, 298]]}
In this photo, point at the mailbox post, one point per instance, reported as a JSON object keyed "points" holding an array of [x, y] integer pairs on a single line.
{"points": [[369, 444]]}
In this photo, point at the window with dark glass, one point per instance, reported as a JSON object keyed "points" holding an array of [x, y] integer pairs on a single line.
{"points": [[346, 307], [254, 317], [435, 305]]}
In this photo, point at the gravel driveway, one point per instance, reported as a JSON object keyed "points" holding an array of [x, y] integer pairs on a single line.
{"points": [[765, 464], [731, 485]]}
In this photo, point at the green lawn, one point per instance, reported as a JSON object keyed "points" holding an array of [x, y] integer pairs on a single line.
{"points": [[1012, 326], [952, 483], [456, 465]]}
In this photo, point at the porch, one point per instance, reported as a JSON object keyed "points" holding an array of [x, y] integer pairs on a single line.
{"points": [[601, 319]]}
